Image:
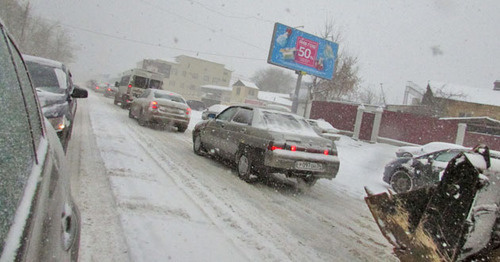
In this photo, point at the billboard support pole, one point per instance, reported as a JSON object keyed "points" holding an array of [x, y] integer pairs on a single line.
{"points": [[295, 103]]}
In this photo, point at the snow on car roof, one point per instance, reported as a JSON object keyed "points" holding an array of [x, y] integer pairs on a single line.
{"points": [[43, 61]]}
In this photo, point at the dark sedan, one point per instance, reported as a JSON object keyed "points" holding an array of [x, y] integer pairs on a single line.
{"points": [[262, 141], [405, 174]]}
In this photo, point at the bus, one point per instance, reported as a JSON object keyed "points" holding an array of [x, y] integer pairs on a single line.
{"points": [[133, 82]]}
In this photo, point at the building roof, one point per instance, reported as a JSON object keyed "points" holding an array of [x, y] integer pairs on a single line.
{"points": [[465, 93], [214, 87], [276, 98], [245, 83]]}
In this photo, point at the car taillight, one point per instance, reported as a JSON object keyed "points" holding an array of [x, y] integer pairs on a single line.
{"points": [[273, 147], [129, 86], [109, 89], [154, 105], [293, 148], [96, 87], [188, 110], [326, 152]]}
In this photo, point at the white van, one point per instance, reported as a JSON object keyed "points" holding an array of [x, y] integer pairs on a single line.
{"points": [[133, 83]]}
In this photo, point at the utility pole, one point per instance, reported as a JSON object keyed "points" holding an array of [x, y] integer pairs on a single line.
{"points": [[383, 94]]}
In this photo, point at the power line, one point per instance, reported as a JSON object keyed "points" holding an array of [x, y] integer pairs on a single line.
{"points": [[201, 25], [230, 16], [155, 45]]}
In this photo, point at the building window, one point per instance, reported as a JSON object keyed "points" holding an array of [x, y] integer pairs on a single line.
{"points": [[194, 75], [238, 90], [464, 114], [225, 73], [251, 92], [174, 71], [206, 78]]}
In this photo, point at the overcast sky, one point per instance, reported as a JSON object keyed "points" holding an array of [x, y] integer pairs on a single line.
{"points": [[395, 41]]}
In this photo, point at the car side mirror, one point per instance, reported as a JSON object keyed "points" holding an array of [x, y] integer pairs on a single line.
{"points": [[211, 116], [79, 92], [117, 84]]}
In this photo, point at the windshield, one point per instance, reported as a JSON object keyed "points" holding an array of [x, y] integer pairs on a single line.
{"points": [[46, 77], [377, 79]]}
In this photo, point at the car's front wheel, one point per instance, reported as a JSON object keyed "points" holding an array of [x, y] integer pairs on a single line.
{"points": [[401, 181], [198, 145]]}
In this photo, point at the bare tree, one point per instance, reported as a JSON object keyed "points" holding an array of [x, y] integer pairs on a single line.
{"points": [[345, 76], [274, 79], [34, 35]]}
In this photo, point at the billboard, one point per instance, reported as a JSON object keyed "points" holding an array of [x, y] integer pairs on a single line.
{"points": [[300, 51]]}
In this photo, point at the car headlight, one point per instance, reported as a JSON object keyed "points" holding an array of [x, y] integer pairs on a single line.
{"points": [[59, 123]]}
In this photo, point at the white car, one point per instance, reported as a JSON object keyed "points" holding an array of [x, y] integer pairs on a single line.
{"points": [[412, 151], [324, 129]]}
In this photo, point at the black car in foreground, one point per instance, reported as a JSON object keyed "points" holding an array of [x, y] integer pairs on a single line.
{"points": [[56, 92], [406, 173], [38, 218]]}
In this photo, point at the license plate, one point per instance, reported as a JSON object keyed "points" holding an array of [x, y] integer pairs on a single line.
{"points": [[310, 166]]}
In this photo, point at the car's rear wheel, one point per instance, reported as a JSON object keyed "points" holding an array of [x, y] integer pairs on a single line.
{"points": [[124, 102], [401, 181], [130, 113], [244, 166], [305, 184], [141, 120], [198, 145], [181, 128]]}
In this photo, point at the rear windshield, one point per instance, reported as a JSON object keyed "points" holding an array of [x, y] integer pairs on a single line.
{"points": [[286, 123], [169, 97], [154, 84], [139, 81], [44, 77]]}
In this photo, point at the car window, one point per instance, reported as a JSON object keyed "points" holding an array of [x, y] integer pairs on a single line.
{"points": [[45, 77], [145, 93], [29, 97], [17, 153], [227, 114], [124, 80], [446, 156], [169, 97], [244, 116], [154, 84], [139, 81]]}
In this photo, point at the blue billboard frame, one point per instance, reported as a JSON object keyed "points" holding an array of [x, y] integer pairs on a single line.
{"points": [[300, 51]]}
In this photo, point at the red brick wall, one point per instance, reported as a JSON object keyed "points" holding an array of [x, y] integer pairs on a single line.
{"points": [[405, 127], [341, 116], [417, 129], [472, 139]]}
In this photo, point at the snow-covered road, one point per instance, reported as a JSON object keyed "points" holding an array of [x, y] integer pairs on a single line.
{"points": [[145, 196]]}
